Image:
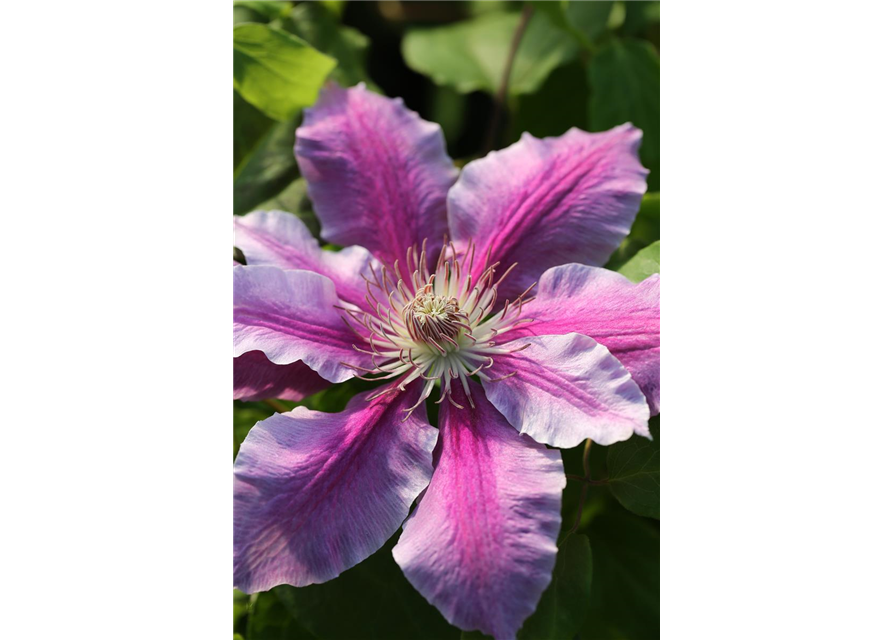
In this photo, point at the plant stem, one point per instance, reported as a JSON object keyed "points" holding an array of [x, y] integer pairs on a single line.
{"points": [[501, 95], [586, 482], [594, 483], [278, 406]]}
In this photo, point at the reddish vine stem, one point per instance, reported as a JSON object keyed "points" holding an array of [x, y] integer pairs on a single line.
{"points": [[502, 94], [592, 483]]}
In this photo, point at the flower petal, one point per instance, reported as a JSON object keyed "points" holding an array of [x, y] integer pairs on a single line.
{"points": [[316, 493], [604, 305], [481, 544], [546, 202], [376, 172], [291, 315], [564, 389], [256, 378], [281, 239]]}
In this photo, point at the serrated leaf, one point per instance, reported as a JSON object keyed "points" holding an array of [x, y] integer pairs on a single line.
{"points": [[565, 603], [275, 71], [471, 55], [624, 84], [645, 263], [634, 472]]}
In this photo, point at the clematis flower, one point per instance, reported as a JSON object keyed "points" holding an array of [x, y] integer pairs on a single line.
{"points": [[486, 284]]}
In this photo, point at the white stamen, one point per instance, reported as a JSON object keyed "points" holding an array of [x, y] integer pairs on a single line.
{"points": [[436, 326]]}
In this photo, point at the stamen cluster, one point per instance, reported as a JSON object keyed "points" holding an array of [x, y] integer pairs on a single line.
{"points": [[437, 326]]}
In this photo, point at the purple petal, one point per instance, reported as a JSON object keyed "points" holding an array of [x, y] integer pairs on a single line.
{"points": [[481, 544], [256, 378], [546, 202], [604, 305], [280, 239], [564, 389], [291, 315], [376, 172], [316, 493]]}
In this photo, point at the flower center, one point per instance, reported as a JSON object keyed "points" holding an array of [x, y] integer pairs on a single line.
{"points": [[434, 319], [439, 326]]}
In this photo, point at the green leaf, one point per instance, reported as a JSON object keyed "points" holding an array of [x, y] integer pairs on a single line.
{"points": [[565, 603], [370, 600], [249, 126], [259, 11], [240, 608], [624, 84], [634, 472], [269, 10], [585, 21], [269, 169], [318, 26], [335, 7], [275, 71], [639, 16], [643, 264], [471, 55], [268, 619], [625, 579], [293, 199]]}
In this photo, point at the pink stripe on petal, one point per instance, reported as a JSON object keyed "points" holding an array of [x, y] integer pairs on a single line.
{"points": [[280, 239], [604, 305], [543, 203], [316, 493], [376, 172], [290, 316], [564, 389], [256, 378], [480, 546]]}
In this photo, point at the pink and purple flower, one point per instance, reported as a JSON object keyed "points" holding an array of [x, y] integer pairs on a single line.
{"points": [[484, 283]]}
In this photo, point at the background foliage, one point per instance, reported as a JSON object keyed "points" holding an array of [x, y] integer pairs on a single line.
{"points": [[590, 65]]}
